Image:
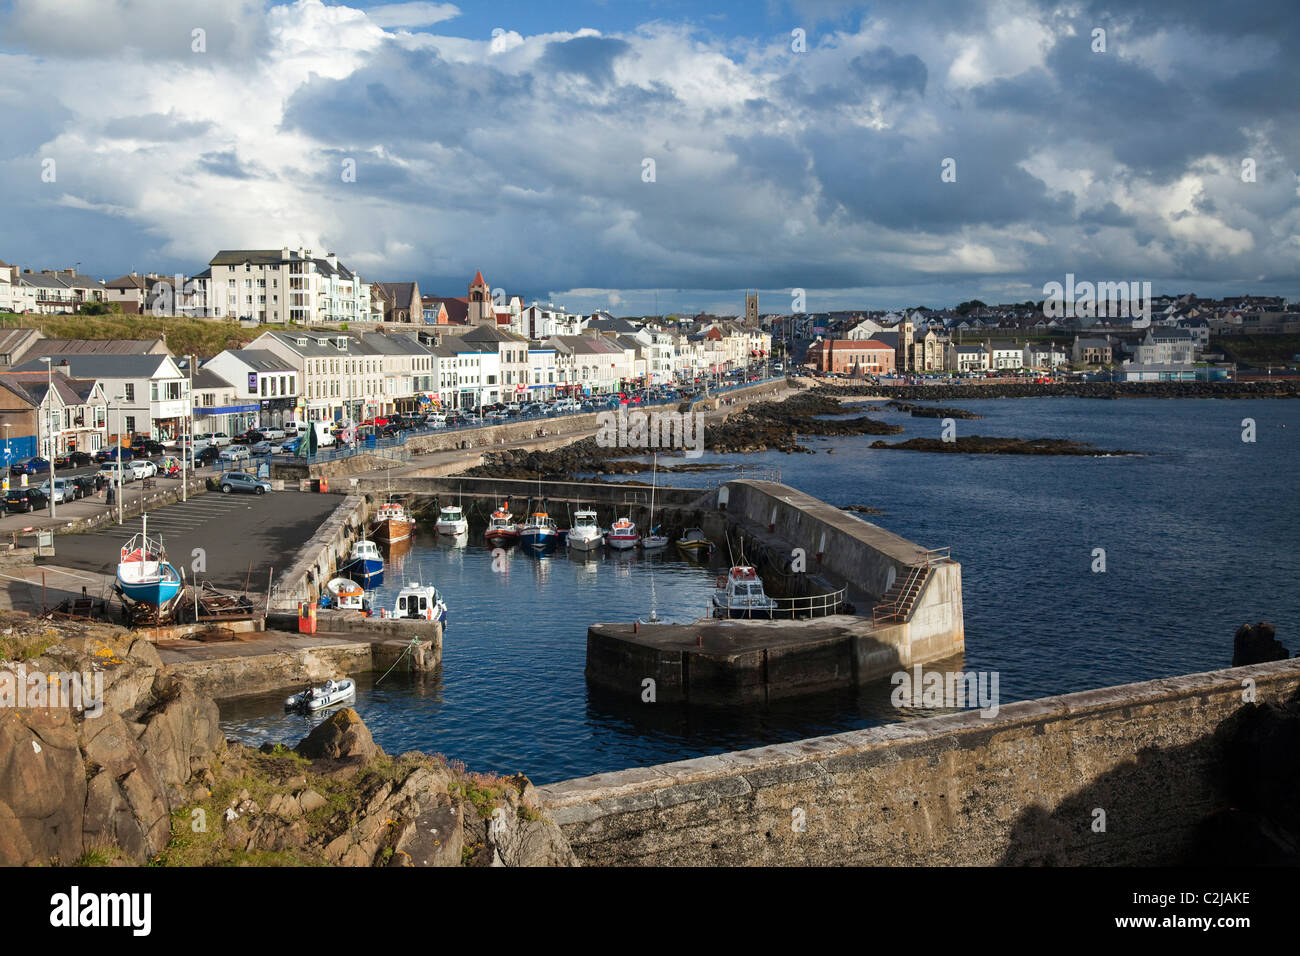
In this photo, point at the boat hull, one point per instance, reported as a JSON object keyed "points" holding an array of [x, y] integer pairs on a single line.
{"points": [[152, 592], [501, 539], [586, 543], [621, 542], [452, 528], [538, 540], [392, 531], [365, 571], [760, 612]]}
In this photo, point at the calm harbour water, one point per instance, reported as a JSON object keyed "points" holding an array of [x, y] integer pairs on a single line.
{"points": [[1199, 536]]}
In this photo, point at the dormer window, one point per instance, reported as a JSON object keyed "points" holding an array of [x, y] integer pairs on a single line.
{"points": [[302, 340], [342, 343]]}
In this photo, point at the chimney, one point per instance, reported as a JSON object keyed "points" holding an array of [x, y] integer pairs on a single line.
{"points": [[284, 253], [64, 369]]}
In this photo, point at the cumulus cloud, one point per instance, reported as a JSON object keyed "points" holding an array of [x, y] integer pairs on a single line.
{"points": [[526, 155]]}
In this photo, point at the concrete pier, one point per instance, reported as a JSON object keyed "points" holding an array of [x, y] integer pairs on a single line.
{"points": [[905, 603]]}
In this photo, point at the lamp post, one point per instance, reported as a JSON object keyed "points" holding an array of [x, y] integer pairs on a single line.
{"points": [[120, 510], [49, 422], [8, 457]]}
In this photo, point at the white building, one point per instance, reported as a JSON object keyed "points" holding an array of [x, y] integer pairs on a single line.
{"points": [[285, 285], [146, 394]]}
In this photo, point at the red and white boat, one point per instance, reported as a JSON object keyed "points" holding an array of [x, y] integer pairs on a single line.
{"points": [[392, 524], [502, 531], [622, 534]]}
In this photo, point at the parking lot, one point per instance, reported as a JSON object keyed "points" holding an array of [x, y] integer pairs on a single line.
{"points": [[238, 537]]}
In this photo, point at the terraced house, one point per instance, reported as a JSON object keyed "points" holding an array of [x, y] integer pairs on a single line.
{"points": [[351, 377]]}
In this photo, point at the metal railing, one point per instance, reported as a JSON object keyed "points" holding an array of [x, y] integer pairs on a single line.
{"points": [[918, 573], [792, 608]]}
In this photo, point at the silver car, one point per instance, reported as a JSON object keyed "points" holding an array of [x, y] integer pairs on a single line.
{"points": [[238, 481]]}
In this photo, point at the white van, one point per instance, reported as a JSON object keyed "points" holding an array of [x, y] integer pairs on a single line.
{"points": [[324, 438]]}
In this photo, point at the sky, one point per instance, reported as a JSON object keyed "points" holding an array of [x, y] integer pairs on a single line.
{"points": [[664, 156]]}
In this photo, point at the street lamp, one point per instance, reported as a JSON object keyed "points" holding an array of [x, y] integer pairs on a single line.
{"points": [[49, 423], [8, 457], [119, 399]]}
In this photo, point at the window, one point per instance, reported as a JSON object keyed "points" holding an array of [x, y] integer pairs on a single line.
{"points": [[130, 424], [129, 390]]}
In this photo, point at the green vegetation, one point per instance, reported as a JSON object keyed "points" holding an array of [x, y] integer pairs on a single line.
{"points": [[20, 646], [185, 336], [102, 853], [1257, 349]]}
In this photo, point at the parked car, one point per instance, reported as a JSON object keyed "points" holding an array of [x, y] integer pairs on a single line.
{"points": [[251, 437], [111, 453], [238, 481], [109, 471], [272, 433], [146, 446], [220, 439], [73, 459], [25, 499], [63, 490], [207, 455], [234, 453], [30, 466], [142, 469], [261, 448], [84, 485]]}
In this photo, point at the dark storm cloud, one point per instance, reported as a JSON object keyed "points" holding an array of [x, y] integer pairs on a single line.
{"points": [[883, 67], [592, 57]]}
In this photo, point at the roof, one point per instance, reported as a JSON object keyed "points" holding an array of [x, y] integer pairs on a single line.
{"points": [[478, 278], [206, 378], [402, 293], [845, 345], [457, 307], [102, 366], [257, 257], [32, 386], [102, 346], [261, 360]]}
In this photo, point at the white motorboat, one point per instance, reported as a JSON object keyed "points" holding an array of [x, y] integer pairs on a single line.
{"points": [[741, 594], [585, 535], [345, 594], [622, 534], [329, 694], [452, 521], [421, 602]]}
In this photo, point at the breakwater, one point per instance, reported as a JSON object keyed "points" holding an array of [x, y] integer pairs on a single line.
{"points": [[944, 392], [1124, 775]]}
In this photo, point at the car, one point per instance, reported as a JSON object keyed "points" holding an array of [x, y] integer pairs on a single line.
{"points": [[289, 447], [84, 485], [146, 446], [272, 432], [142, 469], [207, 455], [30, 466], [25, 500], [220, 439], [251, 437], [234, 453], [238, 481], [109, 471], [73, 459], [63, 490], [435, 420], [261, 448], [112, 452]]}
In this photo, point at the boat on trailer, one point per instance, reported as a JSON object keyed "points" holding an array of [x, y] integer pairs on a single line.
{"points": [[329, 694], [144, 574], [741, 594]]}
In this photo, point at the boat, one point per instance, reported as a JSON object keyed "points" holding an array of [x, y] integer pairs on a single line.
{"points": [[539, 532], [622, 534], [741, 594], [653, 540], [502, 531], [420, 601], [329, 694], [452, 521], [144, 574], [392, 524], [345, 594], [365, 564], [693, 542], [585, 535]]}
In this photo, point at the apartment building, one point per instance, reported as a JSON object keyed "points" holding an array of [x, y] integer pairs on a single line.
{"points": [[285, 285]]}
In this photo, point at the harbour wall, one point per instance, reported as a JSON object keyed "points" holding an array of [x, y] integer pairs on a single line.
{"points": [[320, 556], [1116, 776]]}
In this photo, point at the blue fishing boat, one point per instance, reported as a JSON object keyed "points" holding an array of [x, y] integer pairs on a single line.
{"points": [[539, 532], [365, 564], [143, 572]]}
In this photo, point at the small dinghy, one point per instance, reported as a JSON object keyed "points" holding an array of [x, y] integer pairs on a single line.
{"points": [[345, 594], [693, 542], [329, 694]]}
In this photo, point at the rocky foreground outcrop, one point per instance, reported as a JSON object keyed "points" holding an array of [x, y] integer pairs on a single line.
{"points": [[148, 778]]}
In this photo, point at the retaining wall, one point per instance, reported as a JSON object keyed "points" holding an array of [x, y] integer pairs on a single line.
{"points": [[1021, 787]]}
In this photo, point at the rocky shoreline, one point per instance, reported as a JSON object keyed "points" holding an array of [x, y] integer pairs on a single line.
{"points": [[1278, 389], [931, 411], [982, 445], [150, 781]]}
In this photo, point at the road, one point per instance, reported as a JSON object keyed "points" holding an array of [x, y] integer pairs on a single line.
{"points": [[238, 537]]}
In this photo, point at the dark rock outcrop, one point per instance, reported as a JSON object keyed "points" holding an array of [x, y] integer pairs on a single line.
{"points": [[981, 445], [1257, 645]]}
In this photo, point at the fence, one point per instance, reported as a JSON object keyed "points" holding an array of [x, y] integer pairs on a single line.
{"points": [[795, 608]]}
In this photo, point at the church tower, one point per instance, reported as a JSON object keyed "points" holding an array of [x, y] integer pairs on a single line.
{"points": [[480, 302], [905, 360]]}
